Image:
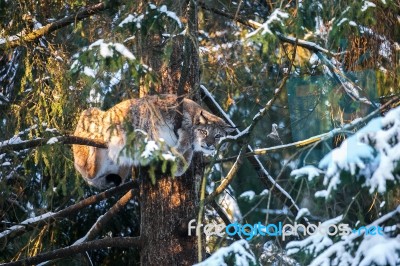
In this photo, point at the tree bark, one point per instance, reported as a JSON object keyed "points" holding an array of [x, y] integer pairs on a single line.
{"points": [[165, 212], [167, 206]]}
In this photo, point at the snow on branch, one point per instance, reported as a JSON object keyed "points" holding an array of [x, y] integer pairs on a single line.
{"points": [[17, 144], [276, 16], [238, 253], [239, 160], [258, 26], [373, 153], [324, 136]]}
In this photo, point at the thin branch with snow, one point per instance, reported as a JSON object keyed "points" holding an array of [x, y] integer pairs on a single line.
{"points": [[16, 144]]}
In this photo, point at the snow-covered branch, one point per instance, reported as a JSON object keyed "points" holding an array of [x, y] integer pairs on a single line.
{"points": [[371, 154], [17, 144], [374, 249], [232, 172], [258, 26], [318, 138]]}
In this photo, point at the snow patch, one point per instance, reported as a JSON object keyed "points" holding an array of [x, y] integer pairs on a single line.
{"points": [[241, 251], [248, 195], [366, 5], [302, 212], [151, 146], [52, 140], [309, 170], [276, 16]]}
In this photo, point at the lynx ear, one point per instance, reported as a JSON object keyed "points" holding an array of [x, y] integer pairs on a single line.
{"points": [[201, 119]]}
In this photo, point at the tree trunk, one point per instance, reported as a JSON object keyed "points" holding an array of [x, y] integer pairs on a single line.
{"points": [[166, 209], [167, 206]]}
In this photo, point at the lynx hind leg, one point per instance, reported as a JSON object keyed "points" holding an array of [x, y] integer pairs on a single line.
{"points": [[87, 158]]}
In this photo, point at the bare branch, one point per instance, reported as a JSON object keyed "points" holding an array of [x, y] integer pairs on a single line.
{"points": [[104, 219], [22, 145], [48, 217], [14, 41], [120, 242], [232, 172]]}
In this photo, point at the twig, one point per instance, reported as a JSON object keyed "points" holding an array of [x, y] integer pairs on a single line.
{"points": [[232, 172], [221, 213], [254, 160]]}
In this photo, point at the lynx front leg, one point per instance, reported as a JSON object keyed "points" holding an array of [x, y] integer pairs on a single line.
{"points": [[184, 151]]}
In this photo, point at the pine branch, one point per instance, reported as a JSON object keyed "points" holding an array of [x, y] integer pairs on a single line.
{"points": [[14, 41], [120, 242], [354, 91], [27, 144]]}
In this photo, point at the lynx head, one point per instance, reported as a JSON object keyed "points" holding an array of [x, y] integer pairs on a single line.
{"points": [[208, 130]]}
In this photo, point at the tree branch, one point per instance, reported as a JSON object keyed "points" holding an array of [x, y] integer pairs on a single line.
{"points": [[255, 25], [46, 218], [27, 144], [104, 219], [318, 138], [14, 41], [120, 242], [264, 176], [226, 181]]}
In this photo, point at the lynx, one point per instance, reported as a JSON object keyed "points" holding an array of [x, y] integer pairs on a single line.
{"points": [[155, 115]]}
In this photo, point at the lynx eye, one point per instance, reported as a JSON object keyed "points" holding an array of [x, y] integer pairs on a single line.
{"points": [[218, 136], [203, 132]]}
